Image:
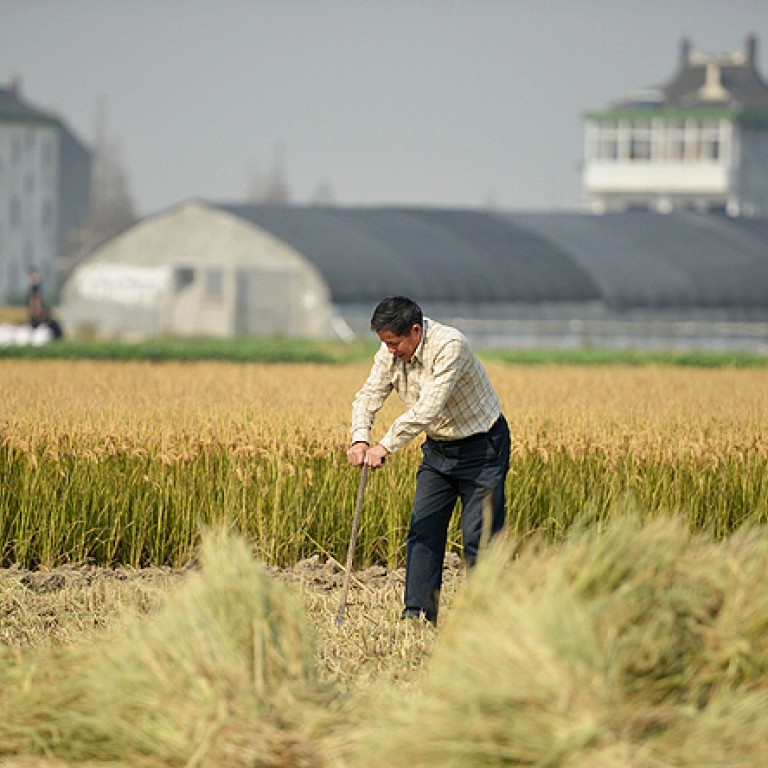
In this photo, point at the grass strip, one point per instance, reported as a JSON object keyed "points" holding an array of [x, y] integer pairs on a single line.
{"points": [[288, 350]]}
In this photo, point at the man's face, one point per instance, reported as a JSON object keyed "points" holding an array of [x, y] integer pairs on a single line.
{"points": [[402, 347]]}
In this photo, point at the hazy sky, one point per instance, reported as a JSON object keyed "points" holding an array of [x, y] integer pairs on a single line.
{"points": [[438, 102]]}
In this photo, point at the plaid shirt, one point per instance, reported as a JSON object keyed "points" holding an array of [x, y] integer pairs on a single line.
{"points": [[444, 386]]}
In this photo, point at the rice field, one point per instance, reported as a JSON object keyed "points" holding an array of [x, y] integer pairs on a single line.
{"points": [[622, 622], [126, 463]]}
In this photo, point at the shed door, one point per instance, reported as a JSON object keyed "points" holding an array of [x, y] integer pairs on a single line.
{"points": [[263, 303]]}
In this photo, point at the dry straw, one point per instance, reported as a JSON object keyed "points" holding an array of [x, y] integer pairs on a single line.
{"points": [[632, 643], [641, 645], [222, 674]]}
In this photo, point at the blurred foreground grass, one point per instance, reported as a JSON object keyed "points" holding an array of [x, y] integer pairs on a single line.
{"points": [[634, 644]]}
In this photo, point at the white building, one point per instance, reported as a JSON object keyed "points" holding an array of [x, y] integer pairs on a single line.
{"points": [[699, 141], [44, 182], [195, 271]]}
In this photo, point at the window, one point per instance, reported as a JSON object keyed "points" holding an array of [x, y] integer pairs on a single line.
{"points": [[640, 149], [15, 212], [692, 140], [214, 284], [675, 140], [658, 138], [689, 140], [624, 135], [710, 140], [14, 275], [47, 160], [46, 214], [609, 149], [640, 140], [183, 277], [47, 153], [608, 142], [710, 149]]}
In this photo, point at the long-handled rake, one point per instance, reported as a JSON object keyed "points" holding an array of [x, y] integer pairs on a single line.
{"points": [[352, 544]]}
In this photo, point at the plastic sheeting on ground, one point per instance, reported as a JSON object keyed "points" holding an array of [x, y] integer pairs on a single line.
{"points": [[25, 335]]}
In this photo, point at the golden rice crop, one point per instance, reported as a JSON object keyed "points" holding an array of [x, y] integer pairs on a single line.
{"points": [[176, 407], [126, 462]]}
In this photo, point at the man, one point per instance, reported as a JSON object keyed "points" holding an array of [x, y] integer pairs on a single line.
{"points": [[466, 452], [35, 311]]}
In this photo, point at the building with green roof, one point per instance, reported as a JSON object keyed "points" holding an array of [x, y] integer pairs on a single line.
{"points": [[700, 141]]}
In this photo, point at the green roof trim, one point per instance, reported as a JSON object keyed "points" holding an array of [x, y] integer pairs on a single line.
{"points": [[29, 118], [746, 117]]}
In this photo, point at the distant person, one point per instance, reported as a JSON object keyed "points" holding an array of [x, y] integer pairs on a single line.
{"points": [[466, 452], [35, 311], [38, 316]]}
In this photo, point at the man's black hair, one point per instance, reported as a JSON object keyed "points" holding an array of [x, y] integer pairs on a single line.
{"points": [[397, 314]]}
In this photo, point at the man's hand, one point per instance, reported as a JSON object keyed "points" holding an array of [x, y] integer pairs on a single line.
{"points": [[375, 456], [361, 453], [356, 454]]}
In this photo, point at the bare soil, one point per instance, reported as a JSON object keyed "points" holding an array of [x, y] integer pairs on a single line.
{"points": [[312, 573]]}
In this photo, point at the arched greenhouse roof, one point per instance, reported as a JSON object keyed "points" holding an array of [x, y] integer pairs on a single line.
{"points": [[625, 260], [683, 259], [437, 255]]}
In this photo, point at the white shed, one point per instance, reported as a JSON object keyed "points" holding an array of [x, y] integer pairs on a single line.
{"points": [[195, 270]]}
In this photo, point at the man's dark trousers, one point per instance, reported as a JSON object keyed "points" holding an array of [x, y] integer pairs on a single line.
{"points": [[472, 469]]}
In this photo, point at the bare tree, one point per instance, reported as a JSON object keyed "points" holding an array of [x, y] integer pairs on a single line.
{"points": [[269, 187], [323, 194], [112, 209]]}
